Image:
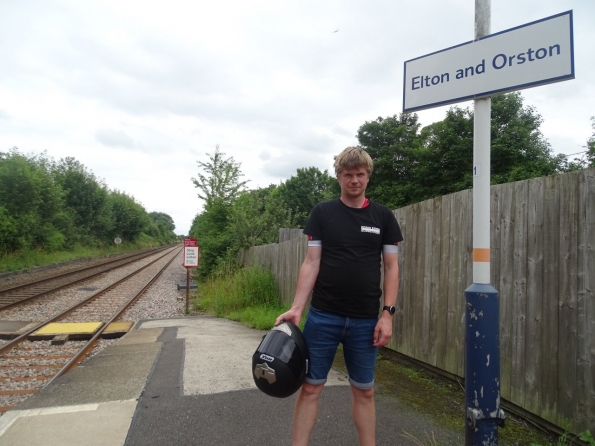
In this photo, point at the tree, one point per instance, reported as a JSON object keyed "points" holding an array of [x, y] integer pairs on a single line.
{"points": [[211, 229], [257, 216], [221, 180], [302, 192], [393, 144], [161, 227], [446, 156], [519, 149], [31, 204], [85, 198], [129, 217], [219, 187], [411, 166], [162, 219]]}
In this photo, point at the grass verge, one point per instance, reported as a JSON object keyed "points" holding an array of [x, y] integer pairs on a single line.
{"points": [[247, 295], [28, 259]]}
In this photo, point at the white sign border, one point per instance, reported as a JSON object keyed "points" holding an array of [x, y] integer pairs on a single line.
{"points": [[501, 90], [191, 265]]}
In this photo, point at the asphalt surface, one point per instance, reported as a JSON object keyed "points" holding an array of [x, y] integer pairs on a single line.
{"points": [[188, 382]]}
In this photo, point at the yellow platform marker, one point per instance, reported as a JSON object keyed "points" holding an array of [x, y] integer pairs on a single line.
{"points": [[116, 327], [58, 328]]}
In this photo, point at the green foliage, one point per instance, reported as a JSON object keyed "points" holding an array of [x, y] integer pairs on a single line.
{"points": [[446, 159], [49, 206], [232, 218], [211, 229], [302, 192], [587, 437], [257, 216], [519, 150], [393, 143], [129, 217], [161, 227], [31, 202], [412, 165], [248, 295], [221, 181], [86, 200]]}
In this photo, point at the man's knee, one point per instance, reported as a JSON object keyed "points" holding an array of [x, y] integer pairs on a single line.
{"points": [[362, 395], [311, 391]]}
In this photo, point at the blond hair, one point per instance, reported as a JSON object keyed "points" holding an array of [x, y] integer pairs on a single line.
{"points": [[352, 158]]}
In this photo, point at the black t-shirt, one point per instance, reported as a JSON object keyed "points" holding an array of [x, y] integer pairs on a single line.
{"points": [[348, 281]]}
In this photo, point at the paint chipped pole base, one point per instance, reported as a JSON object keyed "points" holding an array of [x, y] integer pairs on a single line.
{"points": [[482, 366]]}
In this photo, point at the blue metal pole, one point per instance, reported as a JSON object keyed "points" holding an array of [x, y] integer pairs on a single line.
{"points": [[482, 340]]}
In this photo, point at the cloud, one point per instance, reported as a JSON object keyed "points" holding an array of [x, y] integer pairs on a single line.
{"points": [[158, 87], [339, 130], [114, 138]]}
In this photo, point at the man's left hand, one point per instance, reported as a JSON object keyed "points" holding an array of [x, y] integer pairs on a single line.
{"points": [[383, 331]]}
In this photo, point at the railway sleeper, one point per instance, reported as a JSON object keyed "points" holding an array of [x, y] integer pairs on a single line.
{"points": [[60, 339]]}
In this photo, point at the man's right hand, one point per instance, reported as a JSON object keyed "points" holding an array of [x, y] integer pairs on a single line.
{"points": [[294, 316]]}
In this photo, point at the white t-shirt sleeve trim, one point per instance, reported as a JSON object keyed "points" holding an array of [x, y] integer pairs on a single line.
{"points": [[317, 243], [390, 249]]}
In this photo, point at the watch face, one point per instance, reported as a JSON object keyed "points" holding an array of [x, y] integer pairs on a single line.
{"points": [[390, 309]]}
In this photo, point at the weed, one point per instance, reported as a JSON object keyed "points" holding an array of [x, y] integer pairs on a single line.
{"points": [[431, 440], [567, 439], [587, 437]]}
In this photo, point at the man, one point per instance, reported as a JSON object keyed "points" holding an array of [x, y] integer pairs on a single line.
{"points": [[346, 237]]}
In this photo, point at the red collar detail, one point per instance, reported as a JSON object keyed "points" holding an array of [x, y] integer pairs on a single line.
{"points": [[366, 203]]}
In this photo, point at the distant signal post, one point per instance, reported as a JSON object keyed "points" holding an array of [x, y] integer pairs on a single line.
{"points": [[191, 260], [530, 55]]}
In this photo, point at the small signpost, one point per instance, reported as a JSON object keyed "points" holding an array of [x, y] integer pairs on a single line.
{"points": [[529, 55], [117, 241], [191, 260]]}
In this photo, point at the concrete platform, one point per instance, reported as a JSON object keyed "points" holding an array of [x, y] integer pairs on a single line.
{"points": [[187, 382], [13, 329]]}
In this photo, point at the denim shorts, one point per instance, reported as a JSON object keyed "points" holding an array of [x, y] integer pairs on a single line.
{"points": [[324, 331]]}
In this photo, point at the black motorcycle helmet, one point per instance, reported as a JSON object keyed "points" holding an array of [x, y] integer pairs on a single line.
{"points": [[280, 363]]}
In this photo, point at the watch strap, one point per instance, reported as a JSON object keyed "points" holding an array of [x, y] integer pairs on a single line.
{"points": [[391, 309]]}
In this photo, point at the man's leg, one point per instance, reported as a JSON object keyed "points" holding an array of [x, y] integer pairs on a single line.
{"points": [[364, 415], [305, 413]]}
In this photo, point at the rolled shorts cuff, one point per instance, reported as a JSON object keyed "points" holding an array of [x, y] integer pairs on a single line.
{"points": [[315, 382], [361, 386]]}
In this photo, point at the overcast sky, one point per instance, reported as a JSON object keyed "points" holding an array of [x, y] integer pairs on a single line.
{"points": [[139, 91]]}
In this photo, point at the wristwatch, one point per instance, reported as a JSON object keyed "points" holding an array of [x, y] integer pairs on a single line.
{"points": [[390, 309]]}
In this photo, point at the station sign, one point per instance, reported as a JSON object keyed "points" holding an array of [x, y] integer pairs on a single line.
{"points": [[191, 253], [526, 56]]}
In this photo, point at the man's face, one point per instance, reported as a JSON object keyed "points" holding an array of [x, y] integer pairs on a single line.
{"points": [[353, 182]]}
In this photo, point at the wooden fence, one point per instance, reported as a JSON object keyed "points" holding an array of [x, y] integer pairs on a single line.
{"points": [[542, 264]]}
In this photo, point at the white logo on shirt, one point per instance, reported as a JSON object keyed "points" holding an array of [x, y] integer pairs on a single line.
{"points": [[371, 229]]}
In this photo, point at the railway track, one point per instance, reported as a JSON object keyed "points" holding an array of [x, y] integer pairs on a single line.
{"points": [[31, 361], [16, 295]]}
